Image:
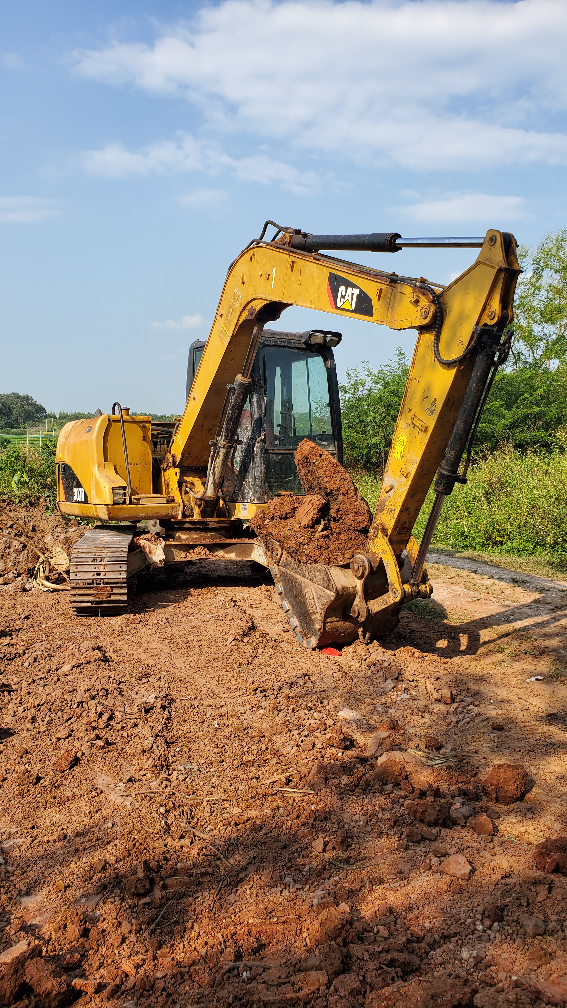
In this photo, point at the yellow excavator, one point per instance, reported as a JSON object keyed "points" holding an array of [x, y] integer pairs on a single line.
{"points": [[252, 470]]}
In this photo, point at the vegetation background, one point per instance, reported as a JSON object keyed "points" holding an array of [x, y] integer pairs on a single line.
{"points": [[515, 501]]}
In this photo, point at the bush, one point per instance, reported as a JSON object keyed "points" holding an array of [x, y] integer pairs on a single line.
{"points": [[28, 476], [513, 504], [370, 402]]}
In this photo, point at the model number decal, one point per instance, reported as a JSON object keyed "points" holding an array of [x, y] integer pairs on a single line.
{"points": [[344, 296], [399, 447], [71, 485]]}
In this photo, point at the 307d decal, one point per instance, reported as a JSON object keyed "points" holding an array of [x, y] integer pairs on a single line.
{"points": [[73, 489], [346, 297]]}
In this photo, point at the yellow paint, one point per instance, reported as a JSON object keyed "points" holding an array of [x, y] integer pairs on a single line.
{"points": [[93, 449]]}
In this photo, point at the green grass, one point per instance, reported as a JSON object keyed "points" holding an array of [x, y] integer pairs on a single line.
{"points": [[427, 609], [550, 567], [514, 505]]}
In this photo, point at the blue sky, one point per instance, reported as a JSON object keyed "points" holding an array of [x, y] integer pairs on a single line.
{"points": [[144, 145]]}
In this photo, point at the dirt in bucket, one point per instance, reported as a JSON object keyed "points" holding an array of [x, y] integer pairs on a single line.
{"points": [[330, 524]]}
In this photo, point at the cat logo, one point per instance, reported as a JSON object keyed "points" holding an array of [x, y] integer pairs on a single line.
{"points": [[344, 296]]}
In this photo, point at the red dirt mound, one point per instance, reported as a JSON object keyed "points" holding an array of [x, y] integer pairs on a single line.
{"points": [[330, 524]]}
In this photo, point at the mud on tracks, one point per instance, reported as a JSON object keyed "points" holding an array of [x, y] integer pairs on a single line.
{"points": [[190, 814]]}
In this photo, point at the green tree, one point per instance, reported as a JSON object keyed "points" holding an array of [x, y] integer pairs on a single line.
{"points": [[526, 408], [370, 402], [540, 307], [17, 410], [63, 418]]}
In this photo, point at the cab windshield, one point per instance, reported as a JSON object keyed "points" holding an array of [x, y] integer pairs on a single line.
{"points": [[297, 398]]}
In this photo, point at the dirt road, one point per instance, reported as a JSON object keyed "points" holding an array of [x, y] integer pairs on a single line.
{"points": [[194, 810]]}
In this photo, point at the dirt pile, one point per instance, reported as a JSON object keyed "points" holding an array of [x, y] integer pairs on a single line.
{"points": [[190, 813], [34, 547], [329, 525]]}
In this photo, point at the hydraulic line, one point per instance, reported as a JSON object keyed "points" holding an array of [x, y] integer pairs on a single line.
{"points": [[125, 447]]}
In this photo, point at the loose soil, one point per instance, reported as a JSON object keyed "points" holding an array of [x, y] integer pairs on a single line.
{"points": [[29, 537], [329, 525], [190, 814]]}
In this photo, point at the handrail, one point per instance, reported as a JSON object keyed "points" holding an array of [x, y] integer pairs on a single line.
{"points": [[129, 501]]}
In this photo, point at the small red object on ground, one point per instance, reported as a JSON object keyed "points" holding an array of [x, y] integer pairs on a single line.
{"points": [[330, 651]]}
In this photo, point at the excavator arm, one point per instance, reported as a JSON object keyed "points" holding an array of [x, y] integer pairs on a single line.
{"points": [[268, 277], [460, 338]]}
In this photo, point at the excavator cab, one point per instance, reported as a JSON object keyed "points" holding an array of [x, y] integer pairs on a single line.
{"points": [[294, 395]]}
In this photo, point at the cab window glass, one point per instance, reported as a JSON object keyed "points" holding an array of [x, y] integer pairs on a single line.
{"points": [[297, 398]]}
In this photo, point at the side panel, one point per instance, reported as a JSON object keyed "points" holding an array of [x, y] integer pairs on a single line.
{"points": [[139, 445]]}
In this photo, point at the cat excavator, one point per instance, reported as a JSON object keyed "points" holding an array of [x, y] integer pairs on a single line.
{"points": [[258, 448]]}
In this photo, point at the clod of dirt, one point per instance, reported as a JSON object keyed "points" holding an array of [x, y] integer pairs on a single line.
{"points": [[481, 824], [456, 866], [551, 855], [415, 834], [532, 925], [553, 991], [327, 526], [65, 761], [330, 924], [13, 963], [432, 813], [425, 993], [505, 783], [432, 742], [49, 984], [439, 849], [460, 814]]}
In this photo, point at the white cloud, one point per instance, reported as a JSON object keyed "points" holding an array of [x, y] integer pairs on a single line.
{"points": [[26, 209], [187, 322], [465, 207], [439, 84], [185, 154]]}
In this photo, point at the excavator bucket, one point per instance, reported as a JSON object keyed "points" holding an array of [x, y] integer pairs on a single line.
{"points": [[331, 590]]}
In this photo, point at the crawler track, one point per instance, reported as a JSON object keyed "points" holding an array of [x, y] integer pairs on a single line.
{"points": [[99, 572]]}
